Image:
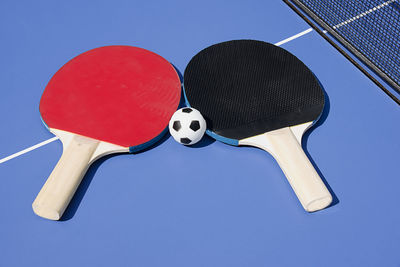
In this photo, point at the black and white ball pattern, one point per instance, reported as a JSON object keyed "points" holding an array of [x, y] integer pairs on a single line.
{"points": [[187, 126]]}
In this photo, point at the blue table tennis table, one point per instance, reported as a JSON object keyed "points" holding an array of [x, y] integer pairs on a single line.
{"points": [[207, 205]]}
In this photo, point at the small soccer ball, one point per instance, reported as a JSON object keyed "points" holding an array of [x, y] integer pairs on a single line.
{"points": [[187, 126]]}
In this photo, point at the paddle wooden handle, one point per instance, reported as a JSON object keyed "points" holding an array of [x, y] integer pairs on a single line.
{"points": [[62, 183], [304, 179]]}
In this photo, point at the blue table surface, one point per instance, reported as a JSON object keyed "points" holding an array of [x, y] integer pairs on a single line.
{"points": [[208, 205]]}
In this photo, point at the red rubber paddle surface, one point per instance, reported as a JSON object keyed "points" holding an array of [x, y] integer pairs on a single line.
{"points": [[118, 94]]}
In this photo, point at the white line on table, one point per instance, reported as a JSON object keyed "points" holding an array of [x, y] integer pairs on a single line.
{"points": [[28, 149], [294, 37], [56, 138]]}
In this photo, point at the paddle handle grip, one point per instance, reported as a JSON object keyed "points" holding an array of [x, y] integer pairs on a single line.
{"points": [[301, 174], [283, 145], [62, 183]]}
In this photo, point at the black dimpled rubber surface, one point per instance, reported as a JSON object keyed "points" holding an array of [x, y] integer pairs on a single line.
{"points": [[244, 88]]}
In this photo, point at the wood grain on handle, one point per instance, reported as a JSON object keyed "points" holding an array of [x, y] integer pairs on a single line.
{"points": [[304, 179], [62, 183]]}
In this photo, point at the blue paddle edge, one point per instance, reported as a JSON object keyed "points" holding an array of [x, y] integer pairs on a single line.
{"points": [[225, 140]]}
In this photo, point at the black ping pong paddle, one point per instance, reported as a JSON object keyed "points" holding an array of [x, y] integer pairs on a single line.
{"points": [[257, 94]]}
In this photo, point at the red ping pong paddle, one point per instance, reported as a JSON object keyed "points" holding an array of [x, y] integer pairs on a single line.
{"points": [[107, 100]]}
